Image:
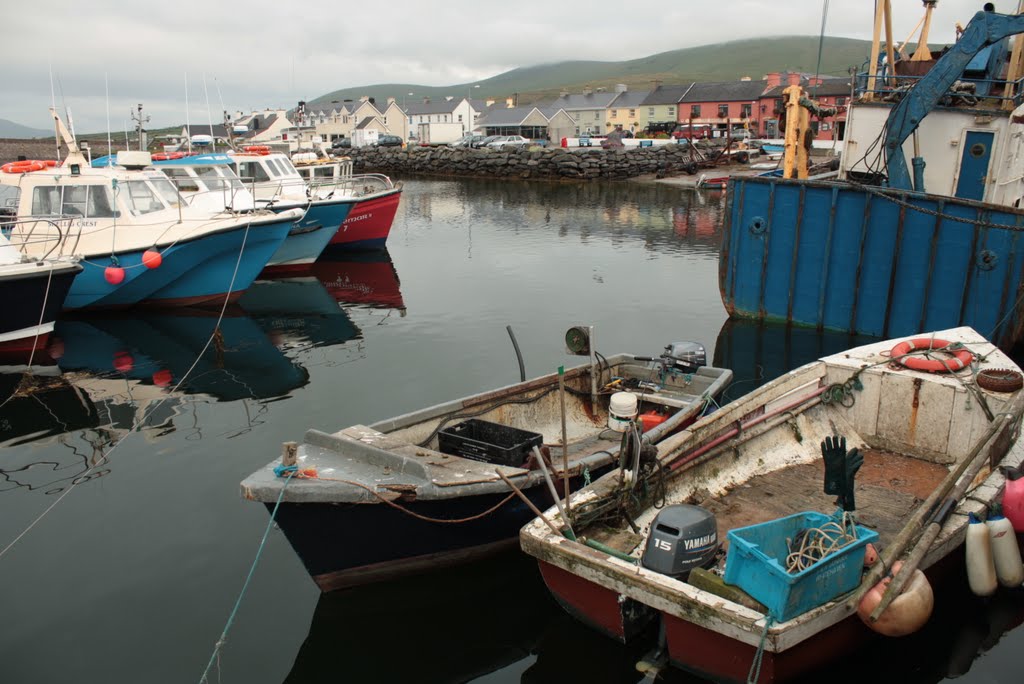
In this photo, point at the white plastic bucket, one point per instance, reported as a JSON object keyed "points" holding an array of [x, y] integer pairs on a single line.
{"points": [[622, 409]]}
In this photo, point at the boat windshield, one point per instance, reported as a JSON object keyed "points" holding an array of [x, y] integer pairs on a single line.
{"points": [[253, 170], [141, 197], [218, 178], [86, 201], [165, 188], [182, 178]]}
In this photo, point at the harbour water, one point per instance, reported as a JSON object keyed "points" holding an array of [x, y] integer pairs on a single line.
{"points": [[122, 453]]}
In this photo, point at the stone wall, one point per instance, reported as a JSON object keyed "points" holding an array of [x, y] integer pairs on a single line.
{"points": [[540, 163]]}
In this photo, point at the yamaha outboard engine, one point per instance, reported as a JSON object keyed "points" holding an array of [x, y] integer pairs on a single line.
{"points": [[685, 357], [682, 538]]}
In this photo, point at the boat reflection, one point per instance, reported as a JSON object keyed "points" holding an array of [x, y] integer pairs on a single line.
{"points": [[368, 279], [449, 626], [757, 351], [298, 313]]}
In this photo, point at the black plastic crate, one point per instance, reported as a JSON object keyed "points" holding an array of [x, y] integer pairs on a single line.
{"points": [[481, 440]]}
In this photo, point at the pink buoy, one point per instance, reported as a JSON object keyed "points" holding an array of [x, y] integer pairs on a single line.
{"points": [[152, 258], [123, 362], [114, 275], [162, 378]]}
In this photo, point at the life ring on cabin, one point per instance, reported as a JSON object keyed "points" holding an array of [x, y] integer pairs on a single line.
{"points": [[257, 149], [166, 156], [961, 358], [23, 166], [907, 613]]}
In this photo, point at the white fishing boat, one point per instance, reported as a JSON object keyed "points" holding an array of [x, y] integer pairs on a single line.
{"points": [[699, 537]]}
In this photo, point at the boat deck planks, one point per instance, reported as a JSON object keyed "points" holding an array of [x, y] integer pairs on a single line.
{"points": [[889, 487]]}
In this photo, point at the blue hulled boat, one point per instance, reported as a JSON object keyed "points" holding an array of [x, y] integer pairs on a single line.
{"points": [[884, 251]]}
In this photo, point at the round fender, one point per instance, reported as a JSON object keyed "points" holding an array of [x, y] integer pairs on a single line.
{"points": [[907, 613]]}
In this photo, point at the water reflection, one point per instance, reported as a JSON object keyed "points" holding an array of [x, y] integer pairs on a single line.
{"points": [[664, 217], [368, 279]]}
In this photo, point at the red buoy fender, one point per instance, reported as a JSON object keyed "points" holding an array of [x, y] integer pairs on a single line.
{"points": [[907, 613], [961, 358]]}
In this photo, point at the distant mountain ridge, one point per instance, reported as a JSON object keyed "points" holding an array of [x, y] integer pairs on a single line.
{"points": [[9, 129], [718, 62]]}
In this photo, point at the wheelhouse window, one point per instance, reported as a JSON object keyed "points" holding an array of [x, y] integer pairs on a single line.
{"points": [[80, 201], [254, 171], [182, 178], [324, 172], [140, 197], [166, 190]]}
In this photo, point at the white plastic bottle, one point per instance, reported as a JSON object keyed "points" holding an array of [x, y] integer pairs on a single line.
{"points": [[1005, 551], [981, 569]]}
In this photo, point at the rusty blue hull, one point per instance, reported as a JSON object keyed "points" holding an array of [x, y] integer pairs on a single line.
{"points": [[871, 261]]}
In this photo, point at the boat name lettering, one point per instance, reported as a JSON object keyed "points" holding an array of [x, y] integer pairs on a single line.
{"points": [[697, 542], [84, 223], [361, 217]]}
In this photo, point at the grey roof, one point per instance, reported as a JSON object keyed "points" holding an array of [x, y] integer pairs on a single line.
{"points": [[441, 106], [669, 94], [507, 116], [832, 87], [366, 122], [579, 102], [630, 98], [725, 91], [328, 107]]}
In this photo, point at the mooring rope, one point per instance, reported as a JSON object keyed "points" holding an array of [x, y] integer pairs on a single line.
{"points": [[245, 586], [755, 667]]}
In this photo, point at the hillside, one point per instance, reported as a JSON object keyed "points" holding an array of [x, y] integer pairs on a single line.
{"points": [[718, 62], [9, 129]]}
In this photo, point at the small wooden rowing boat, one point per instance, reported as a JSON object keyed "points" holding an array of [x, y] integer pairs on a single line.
{"points": [[421, 490], [931, 443]]}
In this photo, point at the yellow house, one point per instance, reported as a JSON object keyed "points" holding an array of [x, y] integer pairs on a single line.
{"points": [[661, 105]]}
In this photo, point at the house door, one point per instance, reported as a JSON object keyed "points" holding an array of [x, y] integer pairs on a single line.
{"points": [[977, 152]]}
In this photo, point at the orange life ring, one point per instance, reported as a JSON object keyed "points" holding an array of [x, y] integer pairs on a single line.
{"points": [[961, 358], [165, 156], [24, 166], [257, 149]]}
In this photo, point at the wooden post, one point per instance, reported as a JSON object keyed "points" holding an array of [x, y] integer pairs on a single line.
{"points": [[565, 438], [876, 37], [890, 53], [1014, 69], [793, 141], [289, 453], [923, 54]]}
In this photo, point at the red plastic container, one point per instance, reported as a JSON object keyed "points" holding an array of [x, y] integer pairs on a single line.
{"points": [[1013, 498], [651, 419]]}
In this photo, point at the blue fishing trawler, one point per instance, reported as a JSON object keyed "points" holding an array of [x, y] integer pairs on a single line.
{"points": [[890, 248]]}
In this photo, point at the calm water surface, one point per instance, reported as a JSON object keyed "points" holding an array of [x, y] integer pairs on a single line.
{"points": [[132, 575]]}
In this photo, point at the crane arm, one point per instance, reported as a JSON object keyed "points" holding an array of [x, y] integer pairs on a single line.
{"points": [[986, 28]]}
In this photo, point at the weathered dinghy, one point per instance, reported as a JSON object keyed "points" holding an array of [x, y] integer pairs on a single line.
{"points": [[647, 546], [420, 490]]}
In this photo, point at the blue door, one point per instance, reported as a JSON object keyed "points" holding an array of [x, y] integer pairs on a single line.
{"points": [[974, 165]]}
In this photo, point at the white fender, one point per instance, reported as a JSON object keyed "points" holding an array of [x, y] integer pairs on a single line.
{"points": [[907, 613], [1005, 551], [981, 569]]}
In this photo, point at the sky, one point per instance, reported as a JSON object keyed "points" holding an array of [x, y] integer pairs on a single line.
{"points": [[100, 58]]}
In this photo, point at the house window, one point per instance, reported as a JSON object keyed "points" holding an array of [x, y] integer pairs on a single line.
{"points": [[385, 121], [650, 111], [723, 111], [632, 113], [745, 111], [840, 101], [597, 116], [672, 111], [615, 113], [694, 111], [460, 118]]}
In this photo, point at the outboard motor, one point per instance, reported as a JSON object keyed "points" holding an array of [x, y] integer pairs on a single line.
{"points": [[685, 357], [682, 538]]}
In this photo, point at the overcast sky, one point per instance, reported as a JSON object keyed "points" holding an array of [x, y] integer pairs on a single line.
{"points": [[261, 54]]}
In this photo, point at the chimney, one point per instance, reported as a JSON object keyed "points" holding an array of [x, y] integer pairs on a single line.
{"points": [[391, 100], [372, 101], [620, 87], [509, 102], [813, 81], [587, 91], [773, 80], [655, 84], [793, 78], [489, 101], [448, 98], [563, 93], [426, 100], [745, 78], [363, 98]]}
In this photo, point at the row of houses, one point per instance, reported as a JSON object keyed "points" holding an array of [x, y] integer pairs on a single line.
{"points": [[697, 109]]}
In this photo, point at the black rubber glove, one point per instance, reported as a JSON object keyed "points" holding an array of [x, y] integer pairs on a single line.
{"points": [[833, 451], [853, 461]]}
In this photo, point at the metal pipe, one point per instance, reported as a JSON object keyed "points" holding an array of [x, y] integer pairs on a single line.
{"points": [[529, 504], [554, 492], [519, 356], [565, 438]]}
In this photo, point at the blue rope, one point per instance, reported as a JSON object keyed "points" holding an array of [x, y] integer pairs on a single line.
{"points": [[755, 667], [252, 569]]}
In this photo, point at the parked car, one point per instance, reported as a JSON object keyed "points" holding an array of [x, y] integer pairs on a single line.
{"points": [[341, 144], [509, 141], [389, 141], [470, 140]]}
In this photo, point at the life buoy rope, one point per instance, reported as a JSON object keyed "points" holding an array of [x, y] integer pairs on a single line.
{"points": [[960, 357]]}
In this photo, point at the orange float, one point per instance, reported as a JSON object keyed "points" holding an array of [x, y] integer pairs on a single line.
{"points": [[907, 613], [961, 358]]}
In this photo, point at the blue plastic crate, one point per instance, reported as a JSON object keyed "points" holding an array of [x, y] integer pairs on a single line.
{"points": [[756, 564]]}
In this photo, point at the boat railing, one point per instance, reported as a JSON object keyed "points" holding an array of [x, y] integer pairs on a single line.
{"points": [[33, 231], [352, 186], [892, 87]]}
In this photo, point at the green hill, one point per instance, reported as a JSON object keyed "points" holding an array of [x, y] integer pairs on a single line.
{"points": [[718, 62]]}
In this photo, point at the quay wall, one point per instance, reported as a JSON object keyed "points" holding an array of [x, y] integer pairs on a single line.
{"points": [[556, 163]]}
